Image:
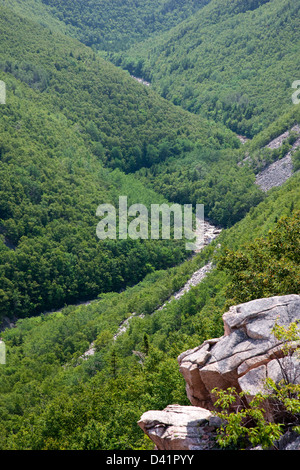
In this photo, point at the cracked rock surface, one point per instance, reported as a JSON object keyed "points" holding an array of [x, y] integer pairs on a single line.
{"points": [[242, 358], [247, 350], [180, 427]]}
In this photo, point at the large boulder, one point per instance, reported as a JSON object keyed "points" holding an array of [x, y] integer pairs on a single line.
{"points": [[180, 428], [246, 355], [243, 358], [190, 428]]}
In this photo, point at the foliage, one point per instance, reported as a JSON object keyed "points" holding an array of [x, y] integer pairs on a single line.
{"points": [[233, 61], [238, 429], [268, 266], [76, 132], [53, 398], [116, 25], [249, 424], [125, 124], [296, 160], [51, 186], [72, 125], [212, 178], [288, 335]]}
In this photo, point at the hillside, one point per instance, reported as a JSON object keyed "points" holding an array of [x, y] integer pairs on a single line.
{"points": [[111, 109], [72, 114], [92, 328], [230, 183], [70, 120], [51, 399], [51, 186], [108, 26], [233, 61]]}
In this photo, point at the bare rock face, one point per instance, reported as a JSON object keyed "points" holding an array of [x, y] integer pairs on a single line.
{"points": [[246, 355], [275, 174], [243, 358], [180, 428], [281, 170]]}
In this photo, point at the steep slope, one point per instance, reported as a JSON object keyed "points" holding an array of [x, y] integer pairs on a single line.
{"points": [[274, 155], [72, 126], [108, 25], [50, 187], [234, 61], [215, 179], [118, 117], [111, 122], [36, 11], [71, 118], [66, 112], [95, 403]]}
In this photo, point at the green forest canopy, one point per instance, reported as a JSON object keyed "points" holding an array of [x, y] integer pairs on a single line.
{"points": [[76, 132], [52, 399], [233, 61], [111, 25]]}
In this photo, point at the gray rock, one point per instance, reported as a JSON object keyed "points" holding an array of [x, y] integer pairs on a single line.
{"points": [[275, 174], [290, 441], [180, 428], [242, 357], [280, 171]]}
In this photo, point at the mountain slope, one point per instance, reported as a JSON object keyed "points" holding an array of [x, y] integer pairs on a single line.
{"points": [[50, 187], [52, 399], [111, 122], [233, 61], [65, 112], [70, 119], [107, 25], [72, 126], [118, 117]]}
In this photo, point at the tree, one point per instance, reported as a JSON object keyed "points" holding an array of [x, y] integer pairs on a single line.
{"points": [[268, 266]]}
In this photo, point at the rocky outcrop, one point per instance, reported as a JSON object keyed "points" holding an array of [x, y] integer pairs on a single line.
{"points": [[246, 354], [275, 174], [280, 171], [242, 358], [278, 141], [180, 427], [190, 428]]}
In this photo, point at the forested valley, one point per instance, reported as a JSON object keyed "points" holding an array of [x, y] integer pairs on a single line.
{"points": [[76, 131]]}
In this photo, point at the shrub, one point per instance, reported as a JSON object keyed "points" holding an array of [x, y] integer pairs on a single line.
{"points": [[250, 425]]}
